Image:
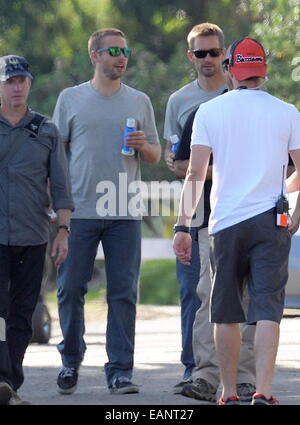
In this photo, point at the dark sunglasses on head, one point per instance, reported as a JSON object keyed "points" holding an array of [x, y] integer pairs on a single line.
{"points": [[116, 51], [215, 52]]}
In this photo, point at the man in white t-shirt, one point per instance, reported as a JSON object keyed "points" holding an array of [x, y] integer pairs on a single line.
{"points": [[250, 134], [201, 376]]}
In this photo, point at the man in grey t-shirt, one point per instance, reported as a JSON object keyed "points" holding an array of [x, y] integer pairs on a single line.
{"points": [[91, 118]]}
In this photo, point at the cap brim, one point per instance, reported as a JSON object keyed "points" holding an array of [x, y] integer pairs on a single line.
{"points": [[244, 73], [16, 73]]}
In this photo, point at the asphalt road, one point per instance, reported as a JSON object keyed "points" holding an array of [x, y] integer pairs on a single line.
{"points": [[157, 363]]}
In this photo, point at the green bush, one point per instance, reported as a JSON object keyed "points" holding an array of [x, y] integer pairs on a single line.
{"points": [[158, 283]]}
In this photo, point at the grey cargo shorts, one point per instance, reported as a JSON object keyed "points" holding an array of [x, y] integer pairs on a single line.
{"points": [[253, 252]]}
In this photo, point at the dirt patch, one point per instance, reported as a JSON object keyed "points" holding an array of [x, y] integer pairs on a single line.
{"points": [[97, 310]]}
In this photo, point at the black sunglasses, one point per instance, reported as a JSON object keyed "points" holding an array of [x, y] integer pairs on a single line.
{"points": [[215, 52], [116, 51]]}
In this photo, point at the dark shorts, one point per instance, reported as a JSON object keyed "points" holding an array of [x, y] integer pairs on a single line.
{"points": [[255, 252]]}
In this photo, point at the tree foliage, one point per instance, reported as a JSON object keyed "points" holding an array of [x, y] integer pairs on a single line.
{"points": [[52, 35], [279, 31]]}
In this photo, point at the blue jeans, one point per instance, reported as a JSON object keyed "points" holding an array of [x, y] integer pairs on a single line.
{"points": [[121, 241], [188, 278]]}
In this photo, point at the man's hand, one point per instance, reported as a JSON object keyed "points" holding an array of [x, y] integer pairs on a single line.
{"points": [[149, 152], [182, 246], [169, 160], [169, 156], [136, 140], [60, 247]]}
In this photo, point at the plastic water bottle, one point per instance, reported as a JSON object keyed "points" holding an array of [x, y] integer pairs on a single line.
{"points": [[174, 139], [130, 127]]}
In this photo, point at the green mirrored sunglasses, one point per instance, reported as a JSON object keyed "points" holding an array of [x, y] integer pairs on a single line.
{"points": [[116, 51]]}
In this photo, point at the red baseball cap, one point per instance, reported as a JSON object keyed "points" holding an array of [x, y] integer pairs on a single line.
{"points": [[247, 59]]}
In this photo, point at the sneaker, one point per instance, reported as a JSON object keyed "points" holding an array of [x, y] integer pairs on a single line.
{"points": [[260, 399], [6, 392], [177, 389], [245, 391], [67, 380], [200, 389], [123, 385], [17, 401], [230, 401]]}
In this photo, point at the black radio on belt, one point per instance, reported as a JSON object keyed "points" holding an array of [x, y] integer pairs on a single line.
{"points": [[282, 208]]}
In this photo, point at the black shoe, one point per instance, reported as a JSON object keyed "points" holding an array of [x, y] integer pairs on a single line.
{"points": [[6, 393], [201, 390], [17, 401], [261, 400], [245, 391], [177, 389], [123, 385], [67, 380]]}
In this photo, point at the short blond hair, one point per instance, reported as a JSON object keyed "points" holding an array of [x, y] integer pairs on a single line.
{"points": [[95, 40], [204, 30]]}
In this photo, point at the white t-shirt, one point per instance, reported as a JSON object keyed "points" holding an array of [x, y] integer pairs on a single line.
{"points": [[250, 133]]}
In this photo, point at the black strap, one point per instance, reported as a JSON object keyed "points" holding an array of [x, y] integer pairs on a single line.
{"points": [[33, 127], [35, 124]]}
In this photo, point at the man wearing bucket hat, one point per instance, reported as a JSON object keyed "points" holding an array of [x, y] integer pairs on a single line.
{"points": [[31, 157], [248, 225]]}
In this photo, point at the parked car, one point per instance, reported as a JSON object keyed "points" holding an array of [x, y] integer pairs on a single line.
{"points": [[41, 319], [292, 299]]}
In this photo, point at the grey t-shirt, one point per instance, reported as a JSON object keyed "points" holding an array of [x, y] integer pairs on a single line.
{"points": [[93, 124], [182, 102], [180, 105]]}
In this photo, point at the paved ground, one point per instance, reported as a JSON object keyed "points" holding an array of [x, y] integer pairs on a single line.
{"points": [[157, 366]]}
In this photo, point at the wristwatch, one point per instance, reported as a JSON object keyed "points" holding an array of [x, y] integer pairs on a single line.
{"points": [[63, 226], [184, 229]]}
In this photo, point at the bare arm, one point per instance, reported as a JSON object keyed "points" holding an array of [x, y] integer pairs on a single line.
{"points": [[293, 182], [181, 166], [295, 218], [190, 196]]}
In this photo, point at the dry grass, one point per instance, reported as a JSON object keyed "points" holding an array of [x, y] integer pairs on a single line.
{"points": [[97, 310]]}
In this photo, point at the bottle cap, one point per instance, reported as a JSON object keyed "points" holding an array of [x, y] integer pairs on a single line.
{"points": [[130, 122], [174, 139]]}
